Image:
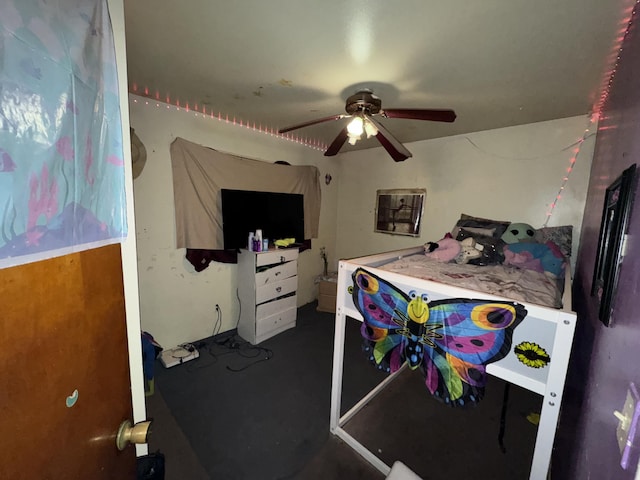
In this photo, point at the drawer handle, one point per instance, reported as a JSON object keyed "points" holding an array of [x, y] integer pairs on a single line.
{"points": [[278, 289], [278, 273], [282, 259]]}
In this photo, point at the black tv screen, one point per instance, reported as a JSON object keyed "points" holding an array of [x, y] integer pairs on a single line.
{"points": [[278, 215]]}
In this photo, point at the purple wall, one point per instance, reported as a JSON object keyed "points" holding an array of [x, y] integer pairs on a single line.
{"points": [[605, 359]]}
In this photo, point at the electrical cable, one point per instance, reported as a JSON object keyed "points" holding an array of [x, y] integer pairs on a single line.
{"points": [[232, 342], [267, 355], [239, 307], [218, 323], [204, 345], [214, 356]]}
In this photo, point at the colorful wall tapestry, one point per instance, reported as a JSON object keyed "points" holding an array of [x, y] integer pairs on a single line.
{"points": [[61, 152]]}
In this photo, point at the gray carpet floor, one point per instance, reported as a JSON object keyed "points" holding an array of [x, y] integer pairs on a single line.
{"points": [[246, 413]]}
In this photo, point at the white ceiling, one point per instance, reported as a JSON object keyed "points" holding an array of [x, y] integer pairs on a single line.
{"points": [[277, 63]]}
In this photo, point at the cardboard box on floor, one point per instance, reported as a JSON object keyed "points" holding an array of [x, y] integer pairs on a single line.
{"points": [[327, 288]]}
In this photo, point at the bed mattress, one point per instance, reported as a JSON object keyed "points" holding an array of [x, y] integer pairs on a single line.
{"points": [[502, 280]]}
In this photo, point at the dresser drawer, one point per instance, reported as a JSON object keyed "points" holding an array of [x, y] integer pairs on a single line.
{"points": [[267, 309], [275, 323], [275, 273], [276, 256], [273, 290]]}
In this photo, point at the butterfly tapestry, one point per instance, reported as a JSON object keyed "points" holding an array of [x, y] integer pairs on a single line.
{"points": [[450, 340]]}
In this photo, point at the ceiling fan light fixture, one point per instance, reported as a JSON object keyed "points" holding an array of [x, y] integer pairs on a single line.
{"points": [[362, 107], [370, 129], [356, 127]]}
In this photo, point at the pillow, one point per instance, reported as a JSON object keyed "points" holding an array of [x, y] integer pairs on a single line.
{"points": [[492, 248], [482, 226], [561, 236]]}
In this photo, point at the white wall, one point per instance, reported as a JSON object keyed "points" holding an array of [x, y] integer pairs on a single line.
{"points": [[509, 174], [177, 304]]}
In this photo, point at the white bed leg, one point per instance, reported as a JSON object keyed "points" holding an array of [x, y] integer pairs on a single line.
{"points": [[338, 364], [336, 397], [552, 400], [338, 349], [363, 451]]}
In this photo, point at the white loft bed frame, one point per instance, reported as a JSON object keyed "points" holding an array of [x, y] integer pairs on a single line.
{"points": [[551, 328]]}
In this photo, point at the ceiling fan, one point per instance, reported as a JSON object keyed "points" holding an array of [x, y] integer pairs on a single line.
{"points": [[363, 107]]}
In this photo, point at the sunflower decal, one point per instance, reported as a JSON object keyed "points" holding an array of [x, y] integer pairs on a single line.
{"points": [[532, 355]]}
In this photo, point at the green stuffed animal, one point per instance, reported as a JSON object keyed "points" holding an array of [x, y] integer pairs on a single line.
{"points": [[519, 233]]}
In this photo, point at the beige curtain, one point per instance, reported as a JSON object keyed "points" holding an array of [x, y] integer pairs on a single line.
{"points": [[199, 173]]}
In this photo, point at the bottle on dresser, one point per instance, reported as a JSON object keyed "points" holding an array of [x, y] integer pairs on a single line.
{"points": [[257, 241]]}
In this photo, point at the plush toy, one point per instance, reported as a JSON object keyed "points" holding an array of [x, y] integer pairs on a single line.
{"points": [[542, 257], [519, 233], [430, 247], [469, 250], [444, 250]]}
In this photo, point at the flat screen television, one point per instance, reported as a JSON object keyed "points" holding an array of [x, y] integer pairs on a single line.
{"points": [[279, 215]]}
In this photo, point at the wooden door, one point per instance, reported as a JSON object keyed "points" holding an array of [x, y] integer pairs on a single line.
{"points": [[64, 369]]}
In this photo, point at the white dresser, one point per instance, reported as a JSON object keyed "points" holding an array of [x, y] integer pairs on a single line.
{"points": [[267, 284]]}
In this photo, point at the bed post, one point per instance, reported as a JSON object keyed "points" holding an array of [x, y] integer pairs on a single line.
{"points": [[338, 350], [336, 420], [552, 399]]}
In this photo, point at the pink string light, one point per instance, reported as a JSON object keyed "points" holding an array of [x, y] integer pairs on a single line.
{"points": [[569, 169], [614, 60], [219, 116]]}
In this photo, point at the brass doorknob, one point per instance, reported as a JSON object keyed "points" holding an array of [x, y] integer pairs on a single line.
{"points": [[128, 433]]}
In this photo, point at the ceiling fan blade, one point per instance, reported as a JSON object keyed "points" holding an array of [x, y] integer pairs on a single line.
{"points": [[337, 143], [420, 114], [397, 151], [312, 122]]}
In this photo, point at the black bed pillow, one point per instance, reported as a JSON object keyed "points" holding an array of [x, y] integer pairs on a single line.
{"points": [[480, 226], [492, 248]]}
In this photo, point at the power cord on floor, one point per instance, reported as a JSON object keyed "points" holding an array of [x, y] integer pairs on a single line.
{"points": [[264, 354], [231, 342], [189, 347], [206, 361], [237, 344]]}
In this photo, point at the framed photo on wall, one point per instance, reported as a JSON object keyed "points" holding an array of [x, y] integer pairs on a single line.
{"points": [[613, 228], [399, 211]]}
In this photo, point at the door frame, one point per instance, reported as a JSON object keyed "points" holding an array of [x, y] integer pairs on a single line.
{"points": [[128, 246]]}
